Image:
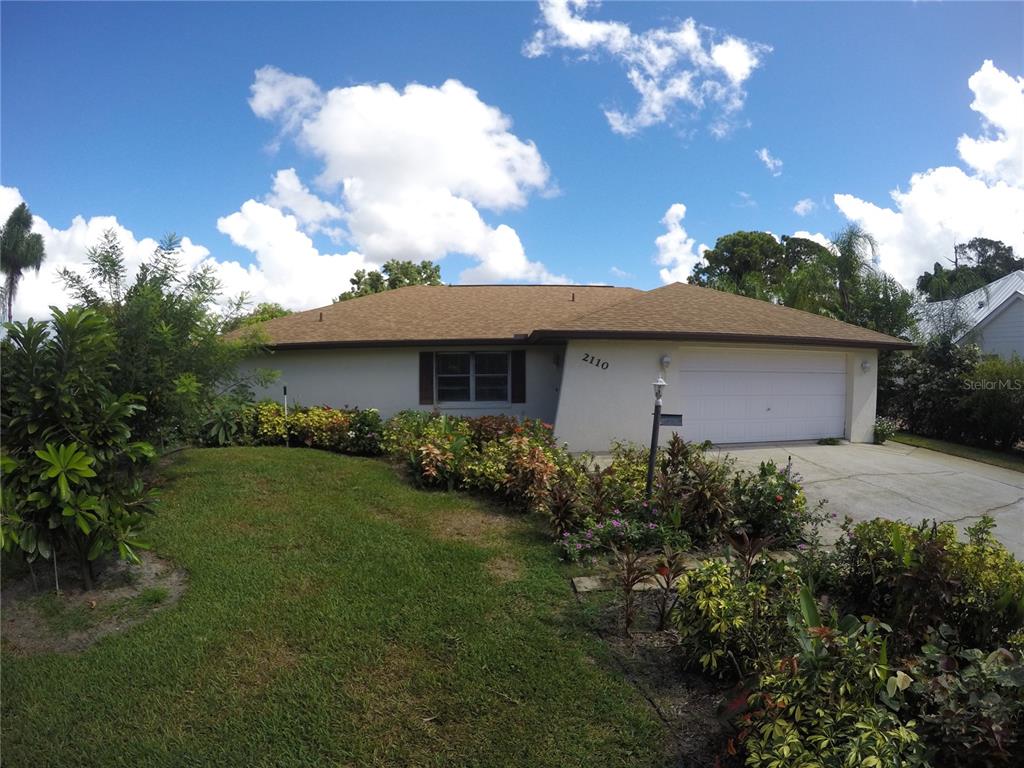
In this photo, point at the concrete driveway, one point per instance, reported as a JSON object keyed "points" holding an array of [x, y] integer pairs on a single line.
{"points": [[901, 482]]}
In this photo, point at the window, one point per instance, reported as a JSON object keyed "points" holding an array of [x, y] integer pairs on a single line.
{"points": [[472, 376]]}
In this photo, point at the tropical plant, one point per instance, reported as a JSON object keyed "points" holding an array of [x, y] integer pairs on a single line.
{"points": [[630, 568], [71, 485], [168, 345], [969, 703], [21, 249]]}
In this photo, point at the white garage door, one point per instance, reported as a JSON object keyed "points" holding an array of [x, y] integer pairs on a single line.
{"points": [[748, 396]]}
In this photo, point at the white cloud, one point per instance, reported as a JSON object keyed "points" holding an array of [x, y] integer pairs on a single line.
{"points": [[686, 64], [946, 205], [66, 248], [312, 213], [414, 167], [677, 251], [288, 268], [804, 207], [621, 274], [773, 164], [999, 99]]}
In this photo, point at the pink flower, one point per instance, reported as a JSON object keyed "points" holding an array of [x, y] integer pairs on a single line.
{"points": [[616, 523]]}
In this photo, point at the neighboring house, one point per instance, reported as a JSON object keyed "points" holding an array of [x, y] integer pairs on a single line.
{"points": [[991, 317], [584, 358]]}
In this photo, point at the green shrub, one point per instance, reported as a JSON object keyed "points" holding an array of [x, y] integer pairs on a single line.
{"points": [[731, 623], [820, 707], [403, 431], [920, 577], [71, 481], [995, 402], [970, 704], [885, 428], [771, 503], [598, 537]]}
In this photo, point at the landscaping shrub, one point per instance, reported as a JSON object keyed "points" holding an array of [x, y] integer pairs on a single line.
{"points": [[71, 481], [920, 577], [969, 704], [994, 402], [885, 428], [771, 503], [820, 706], [598, 537], [357, 432], [732, 623]]}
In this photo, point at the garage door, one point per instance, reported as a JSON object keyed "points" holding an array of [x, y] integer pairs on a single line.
{"points": [[741, 396]]}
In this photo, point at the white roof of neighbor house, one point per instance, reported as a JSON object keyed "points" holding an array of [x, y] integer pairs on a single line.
{"points": [[976, 306]]}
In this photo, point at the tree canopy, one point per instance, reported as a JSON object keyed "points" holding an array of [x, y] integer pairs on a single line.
{"points": [[21, 249], [168, 345], [975, 264], [394, 274], [261, 312], [838, 282]]}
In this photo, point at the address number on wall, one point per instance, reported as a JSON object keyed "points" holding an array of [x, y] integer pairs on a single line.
{"points": [[597, 362]]}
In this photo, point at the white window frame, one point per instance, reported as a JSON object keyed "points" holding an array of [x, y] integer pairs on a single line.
{"points": [[472, 378]]}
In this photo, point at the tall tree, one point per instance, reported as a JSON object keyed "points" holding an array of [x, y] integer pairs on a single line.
{"points": [[748, 263], [20, 249], [394, 274], [976, 263], [240, 317], [853, 253]]}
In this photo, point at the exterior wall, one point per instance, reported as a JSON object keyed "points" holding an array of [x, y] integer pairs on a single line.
{"points": [[600, 404], [1003, 334], [861, 395], [388, 379]]}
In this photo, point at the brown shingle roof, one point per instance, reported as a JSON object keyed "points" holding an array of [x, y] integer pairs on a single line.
{"points": [[681, 311], [429, 315], [441, 315]]}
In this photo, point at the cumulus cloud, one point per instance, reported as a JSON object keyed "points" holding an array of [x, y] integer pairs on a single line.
{"points": [[312, 213], [288, 268], [804, 207], [677, 251], [946, 205], [686, 65], [67, 248], [413, 169], [772, 163], [816, 237]]}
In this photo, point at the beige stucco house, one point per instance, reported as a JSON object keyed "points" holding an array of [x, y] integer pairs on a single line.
{"points": [[583, 358]]}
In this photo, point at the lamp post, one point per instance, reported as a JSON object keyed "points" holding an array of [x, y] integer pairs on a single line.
{"points": [[659, 388]]}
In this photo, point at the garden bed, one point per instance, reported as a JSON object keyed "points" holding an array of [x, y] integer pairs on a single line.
{"points": [[38, 619]]}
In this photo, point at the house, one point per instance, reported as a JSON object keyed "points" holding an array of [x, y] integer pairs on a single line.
{"points": [[991, 317], [584, 358]]}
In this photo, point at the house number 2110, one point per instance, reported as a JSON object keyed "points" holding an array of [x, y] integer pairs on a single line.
{"points": [[595, 361]]}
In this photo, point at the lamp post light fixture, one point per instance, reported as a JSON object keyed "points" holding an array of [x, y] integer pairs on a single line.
{"points": [[659, 388]]}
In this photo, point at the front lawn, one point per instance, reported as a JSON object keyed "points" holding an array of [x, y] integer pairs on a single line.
{"points": [[335, 616], [1006, 459]]}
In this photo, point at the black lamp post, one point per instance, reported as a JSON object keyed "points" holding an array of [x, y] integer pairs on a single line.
{"points": [[659, 388]]}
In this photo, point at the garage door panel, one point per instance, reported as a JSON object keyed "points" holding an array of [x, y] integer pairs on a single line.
{"points": [[743, 396]]}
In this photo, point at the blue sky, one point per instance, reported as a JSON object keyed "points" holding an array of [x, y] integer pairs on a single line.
{"points": [[141, 112]]}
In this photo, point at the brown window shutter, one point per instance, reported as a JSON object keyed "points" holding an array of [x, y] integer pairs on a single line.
{"points": [[517, 363], [426, 378]]}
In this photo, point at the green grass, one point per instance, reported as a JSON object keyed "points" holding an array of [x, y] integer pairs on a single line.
{"points": [[335, 616], [1007, 460]]}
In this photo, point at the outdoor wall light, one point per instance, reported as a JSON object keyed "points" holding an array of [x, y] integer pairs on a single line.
{"points": [[865, 365], [666, 361]]}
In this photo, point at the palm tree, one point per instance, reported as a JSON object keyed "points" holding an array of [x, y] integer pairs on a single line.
{"points": [[853, 254], [20, 249]]}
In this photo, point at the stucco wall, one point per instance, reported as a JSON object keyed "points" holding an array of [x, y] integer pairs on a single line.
{"points": [[388, 379], [1003, 334], [602, 404]]}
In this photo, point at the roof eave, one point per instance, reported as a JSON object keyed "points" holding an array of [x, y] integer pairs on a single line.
{"points": [[554, 334], [367, 343]]}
